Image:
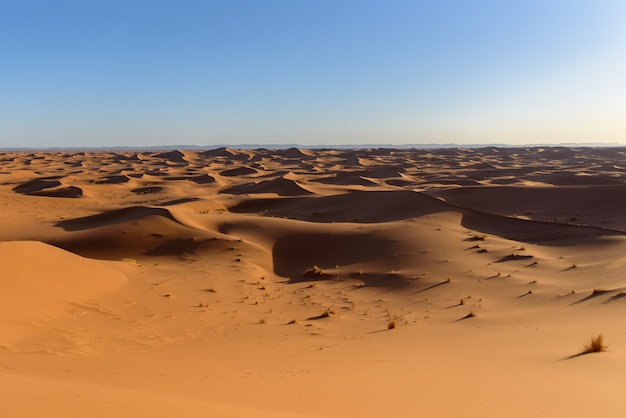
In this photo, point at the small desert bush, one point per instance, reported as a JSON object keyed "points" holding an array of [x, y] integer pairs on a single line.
{"points": [[314, 271], [391, 325], [595, 345]]}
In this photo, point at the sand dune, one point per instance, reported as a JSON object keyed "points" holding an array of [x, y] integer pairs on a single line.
{"points": [[321, 283], [280, 186], [40, 281]]}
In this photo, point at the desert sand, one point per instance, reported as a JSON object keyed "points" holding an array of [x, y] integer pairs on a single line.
{"points": [[313, 283]]}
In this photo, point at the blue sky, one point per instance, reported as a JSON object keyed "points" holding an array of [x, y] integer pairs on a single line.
{"points": [[161, 72]]}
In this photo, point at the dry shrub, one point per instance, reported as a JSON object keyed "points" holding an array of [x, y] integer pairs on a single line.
{"points": [[314, 271], [595, 345]]}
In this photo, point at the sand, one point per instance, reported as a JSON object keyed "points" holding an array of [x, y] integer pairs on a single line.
{"points": [[312, 283]]}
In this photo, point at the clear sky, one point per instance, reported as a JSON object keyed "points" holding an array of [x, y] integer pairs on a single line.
{"points": [[161, 72]]}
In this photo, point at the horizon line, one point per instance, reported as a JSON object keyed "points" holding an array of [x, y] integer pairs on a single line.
{"points": [[251, 146]]}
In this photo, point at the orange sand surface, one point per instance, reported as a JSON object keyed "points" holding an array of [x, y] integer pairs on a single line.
{"points": [[313, 283]]}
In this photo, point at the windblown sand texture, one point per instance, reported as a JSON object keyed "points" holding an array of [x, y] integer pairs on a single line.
{"points": [[318, 283]]}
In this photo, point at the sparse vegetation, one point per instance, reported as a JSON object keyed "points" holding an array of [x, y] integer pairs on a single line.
{"points": [[325, 314], [391, 325], [595, 345], [314, 271]]}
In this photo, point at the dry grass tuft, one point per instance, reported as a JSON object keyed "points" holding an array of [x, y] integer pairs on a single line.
{"points": [[391, 325], [595, 345], [314, 271], [325, 314]]}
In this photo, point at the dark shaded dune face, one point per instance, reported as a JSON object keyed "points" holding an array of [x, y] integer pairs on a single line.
{"points": [[147, 190], [157, 173], [38, 185], [546, 233], [574, 179], [73, 163], [382, 173], [129, 241], [435, 181], [121, 158], [224, 153], [133, 233], [113, 217], [180, 201], [294, 153], [120, 179], [175, 156], [218, 152], [294, 254], [202, 179], [198, 179], [400, 182], [361, 206], [65, 192], [601, 206], [346, 179], [179, 247], [279, 186], [239, 171], [48, 187]]}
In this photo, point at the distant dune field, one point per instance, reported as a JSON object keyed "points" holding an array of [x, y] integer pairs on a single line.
{"points": [[313, 283]]}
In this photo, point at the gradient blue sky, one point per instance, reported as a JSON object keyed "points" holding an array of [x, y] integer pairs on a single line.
{"points": [[160, 72]]}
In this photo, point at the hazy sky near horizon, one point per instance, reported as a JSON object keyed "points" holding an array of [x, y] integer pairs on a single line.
{"points": [[166, 72]]}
